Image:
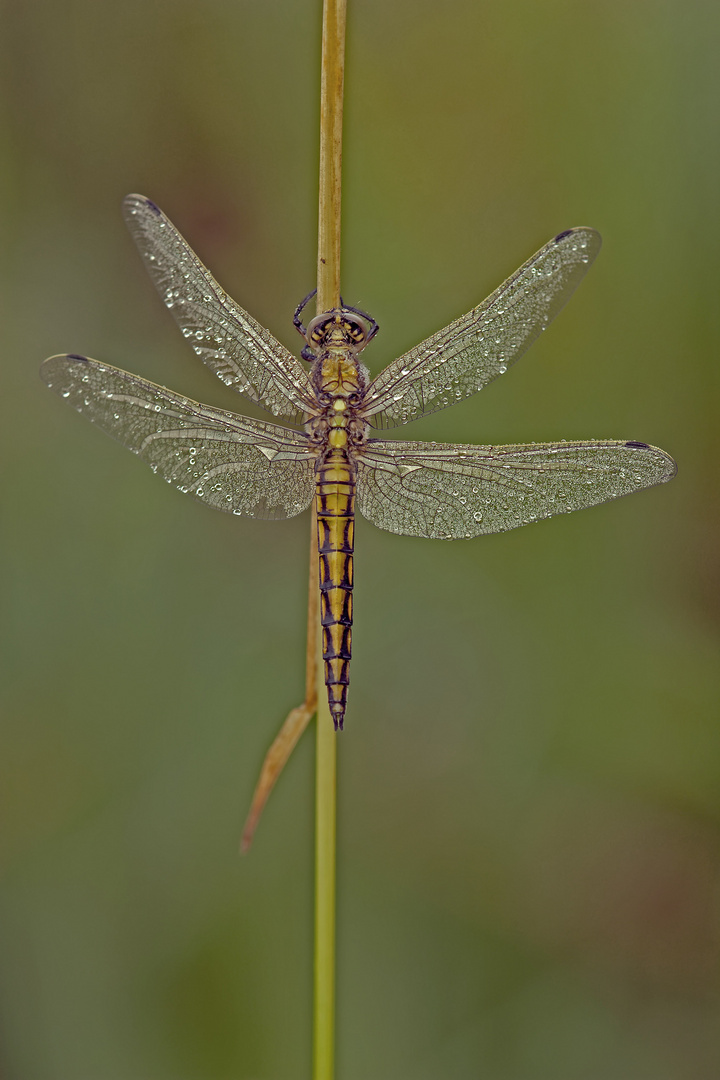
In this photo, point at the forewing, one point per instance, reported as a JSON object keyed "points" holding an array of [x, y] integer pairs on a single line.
{"points": [[445, 491], [476, 348], [228, 461], [238, 349]]}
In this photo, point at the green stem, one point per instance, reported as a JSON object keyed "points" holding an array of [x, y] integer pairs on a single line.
{"points": [[328, 297], [324, 1011]]}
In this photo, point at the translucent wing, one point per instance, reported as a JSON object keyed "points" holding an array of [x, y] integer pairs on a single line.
{"points": [[444, 491], [238, 349], [233, 463], [476, 348]]}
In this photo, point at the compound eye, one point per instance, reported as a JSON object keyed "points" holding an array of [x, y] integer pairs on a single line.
{"points": [[317, 329], [317, 334]]}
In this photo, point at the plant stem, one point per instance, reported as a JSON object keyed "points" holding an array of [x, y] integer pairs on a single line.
{"points": [[331, 118], [324, 967], [328, 297]]}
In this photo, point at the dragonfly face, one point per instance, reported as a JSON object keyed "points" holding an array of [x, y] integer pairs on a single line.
{"points": [[435, 490], [339, 329]]}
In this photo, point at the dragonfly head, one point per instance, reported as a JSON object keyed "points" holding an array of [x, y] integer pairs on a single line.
{"points": [[339, 328]]}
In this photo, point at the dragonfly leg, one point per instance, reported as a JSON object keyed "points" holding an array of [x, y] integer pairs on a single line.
{"points": [[297, 321]]}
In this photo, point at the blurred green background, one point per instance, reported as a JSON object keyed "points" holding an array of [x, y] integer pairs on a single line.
{"points": [[529, 819]]}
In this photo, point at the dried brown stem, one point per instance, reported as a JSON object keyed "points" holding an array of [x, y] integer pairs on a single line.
{"points": [[298, 718]]}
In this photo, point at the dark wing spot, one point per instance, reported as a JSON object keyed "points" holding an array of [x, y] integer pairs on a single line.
{"points": [[74, 356], [155, 209], [638, 445], [562, 235]]}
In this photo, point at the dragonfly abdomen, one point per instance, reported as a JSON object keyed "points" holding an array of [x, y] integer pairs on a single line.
{"points": [[335, 500]]}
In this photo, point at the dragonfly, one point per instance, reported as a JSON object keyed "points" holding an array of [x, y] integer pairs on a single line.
{"points": [[325, 450]]}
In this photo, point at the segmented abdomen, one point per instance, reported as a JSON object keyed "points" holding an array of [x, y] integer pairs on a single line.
{"points": [[335, 500]]}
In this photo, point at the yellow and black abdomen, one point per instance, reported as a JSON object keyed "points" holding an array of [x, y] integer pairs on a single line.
{"points": [[335, 500]]}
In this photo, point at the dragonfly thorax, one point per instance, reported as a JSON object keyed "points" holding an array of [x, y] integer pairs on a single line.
{"points": [[337, 374]]}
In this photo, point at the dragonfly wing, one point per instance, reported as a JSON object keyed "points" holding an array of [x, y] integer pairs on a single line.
{"points": [[238, 349], [476, 348], [446, 491], [228, 461]]}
